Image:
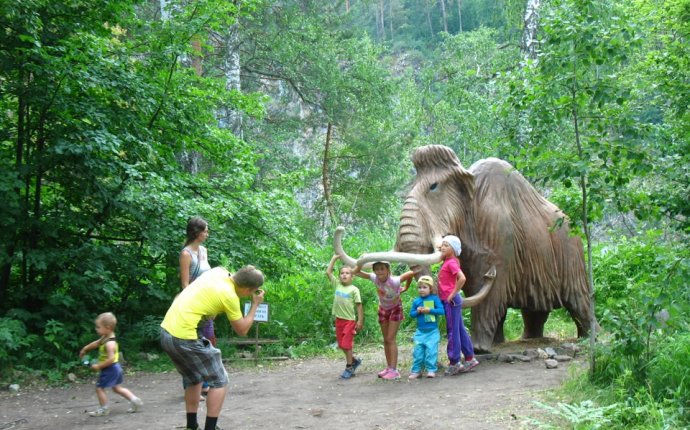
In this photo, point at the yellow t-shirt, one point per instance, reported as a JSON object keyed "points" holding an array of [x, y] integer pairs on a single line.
{"points": [[210, 294]]}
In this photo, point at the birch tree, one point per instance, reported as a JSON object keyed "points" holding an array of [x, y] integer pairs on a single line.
{"points": [[444, 17]]}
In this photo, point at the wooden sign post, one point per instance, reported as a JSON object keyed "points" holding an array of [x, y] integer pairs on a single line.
{"points": [[260, 316]]}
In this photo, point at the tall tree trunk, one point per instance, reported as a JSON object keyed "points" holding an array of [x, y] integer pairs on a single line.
{"points": [[10, 243], [529, 53], [390, 19], [347, 6], [230, 118], [22, 237], [34, 235], [190, 160], [585, 227], [381, 25], [459, 16], [325, 176], [442, 3], [428, 19], [165, 14], [529, 33], [198, 57]]}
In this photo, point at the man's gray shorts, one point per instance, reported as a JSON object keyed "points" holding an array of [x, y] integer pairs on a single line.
{"points": [[196, 360]]}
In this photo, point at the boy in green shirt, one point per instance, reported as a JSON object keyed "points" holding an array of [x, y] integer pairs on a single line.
{"points": [[347, 307]]}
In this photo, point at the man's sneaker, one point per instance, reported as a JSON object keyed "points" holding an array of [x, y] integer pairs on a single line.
{"points": [[469, 365], [347, 373], [187, 428], [391, 375], [383, 373], [355, 364], [413, 375], [135, 404], [453, 369], [100, 412], [431, 375]]}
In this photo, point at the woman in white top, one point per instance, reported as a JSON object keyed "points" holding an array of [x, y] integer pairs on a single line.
{"points": [[194, 257], [194, 262]]}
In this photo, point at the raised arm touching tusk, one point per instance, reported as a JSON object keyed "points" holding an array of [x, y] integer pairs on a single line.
{"points": [[338, 247]]}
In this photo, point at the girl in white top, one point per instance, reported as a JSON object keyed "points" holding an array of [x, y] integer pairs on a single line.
{"points": [[194, 257], [194, 262]]}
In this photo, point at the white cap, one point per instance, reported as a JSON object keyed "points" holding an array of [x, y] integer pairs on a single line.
{"points": [[454, 242]]}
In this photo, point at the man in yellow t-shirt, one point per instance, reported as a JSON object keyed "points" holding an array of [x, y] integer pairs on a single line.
{"points": [[214, 292]]}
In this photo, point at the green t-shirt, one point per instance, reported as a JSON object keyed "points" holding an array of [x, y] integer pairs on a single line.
{"points": [[344, 300]]}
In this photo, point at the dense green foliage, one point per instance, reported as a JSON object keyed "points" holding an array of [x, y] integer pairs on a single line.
{"points": [[645, 303], [114, 132]]}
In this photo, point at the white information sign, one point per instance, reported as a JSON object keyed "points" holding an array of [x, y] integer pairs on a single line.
{"points": [[261, 312]]}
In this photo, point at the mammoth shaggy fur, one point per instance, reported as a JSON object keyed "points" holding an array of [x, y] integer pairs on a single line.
{"points": [[504, 222]]}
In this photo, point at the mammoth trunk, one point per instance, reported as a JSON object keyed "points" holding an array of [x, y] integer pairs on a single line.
{"points": [[411, 235]]}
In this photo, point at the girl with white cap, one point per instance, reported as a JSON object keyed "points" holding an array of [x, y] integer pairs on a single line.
{"points": [[450, 282]]}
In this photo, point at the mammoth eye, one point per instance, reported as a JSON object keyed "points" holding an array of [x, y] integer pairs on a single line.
{"points": [[433, 186]]}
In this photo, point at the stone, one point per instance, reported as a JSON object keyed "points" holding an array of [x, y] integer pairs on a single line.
{"points": [[523, 358], [551, 363], [562, 358], [570, 348], [531, 353]]}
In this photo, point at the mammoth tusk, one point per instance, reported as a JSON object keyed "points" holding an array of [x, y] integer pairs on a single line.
{"points": [[400, 257], [338, 247], [483, 292]]}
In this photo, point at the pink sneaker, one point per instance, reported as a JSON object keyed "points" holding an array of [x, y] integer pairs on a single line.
{"points": [[382, 373], [431, 375], [391, 375], [469, 365]]}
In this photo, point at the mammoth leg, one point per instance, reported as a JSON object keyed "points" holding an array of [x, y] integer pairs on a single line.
{"points": [[534, 323], [499, 337], [581, 318], [582, 331]]}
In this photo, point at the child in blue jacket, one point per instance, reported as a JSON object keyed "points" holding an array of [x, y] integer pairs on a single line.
{"points": [[426, 309]]}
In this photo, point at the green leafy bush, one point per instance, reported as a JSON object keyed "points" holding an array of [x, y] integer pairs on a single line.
{"points": [[644, 344], [13, 337], [143, 335]]}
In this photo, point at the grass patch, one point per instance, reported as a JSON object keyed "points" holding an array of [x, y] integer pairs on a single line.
{"points": [[559, 325]]}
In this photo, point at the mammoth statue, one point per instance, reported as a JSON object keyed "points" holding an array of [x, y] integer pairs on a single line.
{"points": [[513, 256]]}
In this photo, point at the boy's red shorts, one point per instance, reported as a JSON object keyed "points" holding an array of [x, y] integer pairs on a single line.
{"points": [[345, 333]]}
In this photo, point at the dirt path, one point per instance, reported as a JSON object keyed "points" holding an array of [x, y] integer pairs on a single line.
{"points": [[306, 394]]}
